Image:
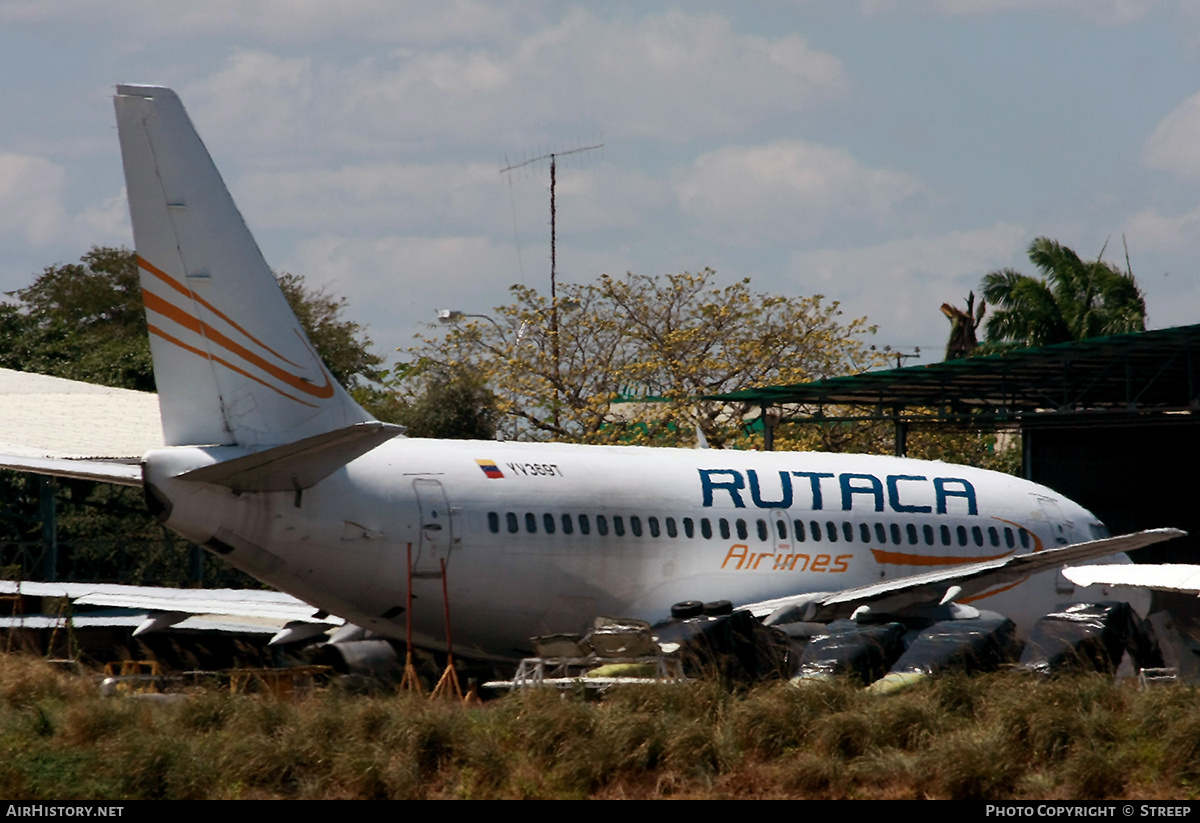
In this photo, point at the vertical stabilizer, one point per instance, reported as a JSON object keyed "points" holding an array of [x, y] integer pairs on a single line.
{"points": [[232, 363]]}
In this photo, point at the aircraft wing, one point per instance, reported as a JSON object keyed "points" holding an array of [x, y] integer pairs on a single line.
{"points": [[1172, 577], [162, 607], [951, 584]]}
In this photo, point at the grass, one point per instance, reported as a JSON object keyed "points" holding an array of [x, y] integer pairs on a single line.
{"points": [[1000, 737]]}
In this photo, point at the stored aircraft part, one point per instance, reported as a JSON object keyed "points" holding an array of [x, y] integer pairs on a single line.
{"points": [[295, 632], [1174, 577], [854, 650], [735, 647], [980, 645], [621, 638], [1088, 636], [376, 659]]}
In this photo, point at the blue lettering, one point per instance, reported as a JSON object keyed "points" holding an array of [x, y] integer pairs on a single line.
{"points": [[873, 487], [967, 491], [815, 479], [707, 484], [785, 481], [894, 494]]}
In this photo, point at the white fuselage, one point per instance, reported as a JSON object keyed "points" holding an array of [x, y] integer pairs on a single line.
{"points": [[541, 538]]}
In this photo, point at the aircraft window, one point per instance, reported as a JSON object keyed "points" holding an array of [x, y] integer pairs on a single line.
{"points": [[494, 522], [880, 533], [1009, 540], [847, 532], [864, 532], [635, 525], [946, 538], [689, 527], [993, 536], [655, 531], [706, 528], [831, 531], [962, 535], [912, 533], [977, 533], [798, 528], [531, 522], [618, 525], [1024, 538], [511, 519], [815, 529], [741, 528], [928, 531], [602, 524], [567, 526], [548, 522], [723, 525], [896, 538], [781, 529], [763, 534], [584, 526]]}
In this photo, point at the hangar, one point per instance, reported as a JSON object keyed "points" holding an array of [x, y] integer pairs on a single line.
{"points": [[1111, 422]]}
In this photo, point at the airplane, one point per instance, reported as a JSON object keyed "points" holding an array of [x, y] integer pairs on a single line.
{"points": [[271, 465]]}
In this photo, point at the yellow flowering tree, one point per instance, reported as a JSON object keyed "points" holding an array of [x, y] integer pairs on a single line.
{"points": [[623, 360]]}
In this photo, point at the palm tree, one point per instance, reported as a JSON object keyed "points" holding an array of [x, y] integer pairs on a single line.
{"points": [[1074, 299]]}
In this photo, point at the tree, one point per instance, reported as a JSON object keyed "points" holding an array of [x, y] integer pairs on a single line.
{"points": [[1074, 300], [624, 341]]}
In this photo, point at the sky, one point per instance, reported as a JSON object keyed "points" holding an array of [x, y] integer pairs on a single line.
{"points": [[883, 153]]}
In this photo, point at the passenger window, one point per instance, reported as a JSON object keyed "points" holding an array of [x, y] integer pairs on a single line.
{"points": [[494, 522], [962, 535], [1024, 538], [672, 529], [763, 534], [511, 519], [994, 536], [602, 525], [531, 522], [705, 528], [864, 532], [781, 529], [584, 526], [635, 525], [798, 528], [946, 538], [567, 526], [1009, 540], [741, 529], [911, 528], [880, 533], [723, 525], [977, 533], [618, 525], [652, 522], [847, 532], [689, 527], [831, 531], [548, 522], [928, 530], [896, 538], [814, 529]]}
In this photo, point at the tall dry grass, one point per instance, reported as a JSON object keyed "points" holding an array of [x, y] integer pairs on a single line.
{"points": [[1002, 736]]}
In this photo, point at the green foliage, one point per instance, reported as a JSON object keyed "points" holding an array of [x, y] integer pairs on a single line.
{"points": [[1074, 300], [342, 343], [449, 402]]}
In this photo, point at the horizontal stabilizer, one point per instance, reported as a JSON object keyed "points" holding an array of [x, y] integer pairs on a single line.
{"points": [[1171, 577], [121, 472], [298, 465], [935, 586]]}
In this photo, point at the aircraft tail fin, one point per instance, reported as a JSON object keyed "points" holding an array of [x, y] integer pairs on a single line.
{"points": [[232, 363]]}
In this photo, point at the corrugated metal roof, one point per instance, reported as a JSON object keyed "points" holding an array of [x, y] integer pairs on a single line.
{"points": [[1154, 371], [43, 416]]}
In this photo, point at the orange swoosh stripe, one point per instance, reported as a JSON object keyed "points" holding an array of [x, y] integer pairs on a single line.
{"points": [[159, 305], [903, 559], [993, 592], [176, 341], [186, 292]]}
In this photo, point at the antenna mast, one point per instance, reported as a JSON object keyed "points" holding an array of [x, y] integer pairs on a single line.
{"points": [[553, 158]]}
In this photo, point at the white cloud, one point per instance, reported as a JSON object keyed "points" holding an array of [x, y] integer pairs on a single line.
{"points": [[901, 284], [31, 191], [1174, 145], [787, 189], [1155, 231], [1104, 12]]}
